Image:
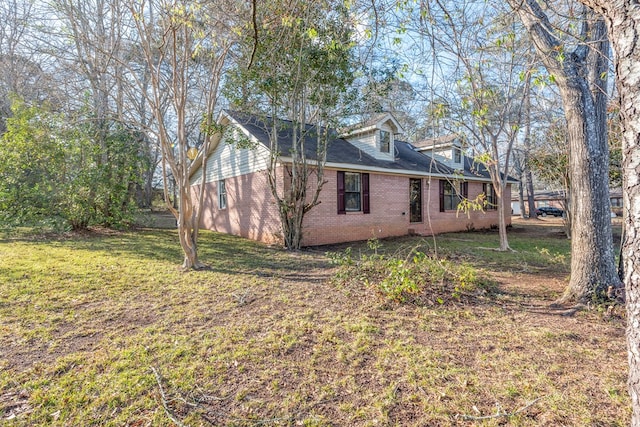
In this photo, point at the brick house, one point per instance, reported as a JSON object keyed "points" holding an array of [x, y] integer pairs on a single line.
{"points": [[375, 184]]}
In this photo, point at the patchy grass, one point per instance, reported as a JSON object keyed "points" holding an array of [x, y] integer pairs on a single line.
{"points": [[103, 329]]}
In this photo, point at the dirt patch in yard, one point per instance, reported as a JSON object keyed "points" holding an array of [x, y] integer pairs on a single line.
{"points": [[284, 346]]}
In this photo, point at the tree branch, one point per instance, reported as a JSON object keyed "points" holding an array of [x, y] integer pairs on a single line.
{"points": [[499, 414], [164, 399], [254, 21]]}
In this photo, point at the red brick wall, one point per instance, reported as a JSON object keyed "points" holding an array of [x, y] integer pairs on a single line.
{"points": [[251, 211], [323, 225], [389, 200], [441, 222]]}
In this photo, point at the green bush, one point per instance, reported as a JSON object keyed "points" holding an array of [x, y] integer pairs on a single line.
{"points": [[53, 167], [415, 278]]}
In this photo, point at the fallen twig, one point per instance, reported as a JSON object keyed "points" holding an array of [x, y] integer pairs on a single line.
{"points": [[495, 249], [498, 414], [165, 401], [241, 299]]}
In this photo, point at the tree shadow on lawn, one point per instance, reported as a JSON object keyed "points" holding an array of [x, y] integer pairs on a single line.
{"points": [[220, 252]]}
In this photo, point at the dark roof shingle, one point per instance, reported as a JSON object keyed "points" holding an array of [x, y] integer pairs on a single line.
{"points": [[341, 151]]}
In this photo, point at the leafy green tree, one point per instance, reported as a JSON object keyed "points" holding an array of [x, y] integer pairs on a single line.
{"points": [[49, 172], [301, 70], [31, 160]]}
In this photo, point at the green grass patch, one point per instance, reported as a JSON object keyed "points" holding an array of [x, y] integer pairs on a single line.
{"points": [[104, 329]]}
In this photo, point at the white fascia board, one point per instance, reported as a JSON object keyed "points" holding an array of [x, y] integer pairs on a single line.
{"points": [[198, 160], [377, 125], [214, 144], [225, 119], [249, 135], [392, 119], [358, 131], [385, 171]]}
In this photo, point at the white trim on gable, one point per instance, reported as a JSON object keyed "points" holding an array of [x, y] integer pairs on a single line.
{"points": [[374, 125], [227, 160], [368, 137]]}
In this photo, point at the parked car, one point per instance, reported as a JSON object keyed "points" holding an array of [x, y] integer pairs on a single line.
{"points": [[549, 210]]}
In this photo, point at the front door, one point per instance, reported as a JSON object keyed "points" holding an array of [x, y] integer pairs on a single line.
{"points": [[415, 200]]}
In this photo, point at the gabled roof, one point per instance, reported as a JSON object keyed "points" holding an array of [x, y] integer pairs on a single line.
{"points": [[341, 153], [438, 142], [371, 124]]}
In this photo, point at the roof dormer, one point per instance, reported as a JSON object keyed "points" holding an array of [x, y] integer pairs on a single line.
{"points": [[375, 136], [447, 149]]}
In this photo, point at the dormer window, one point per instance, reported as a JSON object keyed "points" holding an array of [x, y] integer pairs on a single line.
{"points": [[457, 155], [385, 141], [374, 136]]}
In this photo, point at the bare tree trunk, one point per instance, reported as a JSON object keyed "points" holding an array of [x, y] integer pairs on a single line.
{"points": [[592, 257], [528, 176], [518, 167], [502, 219], [624, 36], [499, 175], [521, 198], [294, 202], [623, 24], [179, 70], [187, 229], [531, 202], [593, 260]]}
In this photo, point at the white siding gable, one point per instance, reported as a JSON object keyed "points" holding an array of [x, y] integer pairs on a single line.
{"points": [[449, 153], [228, 160], [448, 156], [366, 143], [370, 142]]}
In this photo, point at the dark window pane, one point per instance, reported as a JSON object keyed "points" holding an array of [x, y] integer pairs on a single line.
{"points": [[415, 199], [352, 201], [385, 141], [352, 182]]}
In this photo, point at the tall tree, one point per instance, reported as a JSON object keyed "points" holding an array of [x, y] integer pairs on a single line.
{"points": [[184, 46], [22, 75], [579, 76], [622, 18], [486, 64], [86, 42], [95, 31], [300, 71], [526, 177]]}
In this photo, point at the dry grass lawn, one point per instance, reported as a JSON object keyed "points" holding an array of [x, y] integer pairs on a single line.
{"points": [[102, 329]]}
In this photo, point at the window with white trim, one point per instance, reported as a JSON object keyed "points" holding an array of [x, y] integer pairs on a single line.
{"points": [[457, 155], [385, 141], [353, 192], [222, 194]]}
